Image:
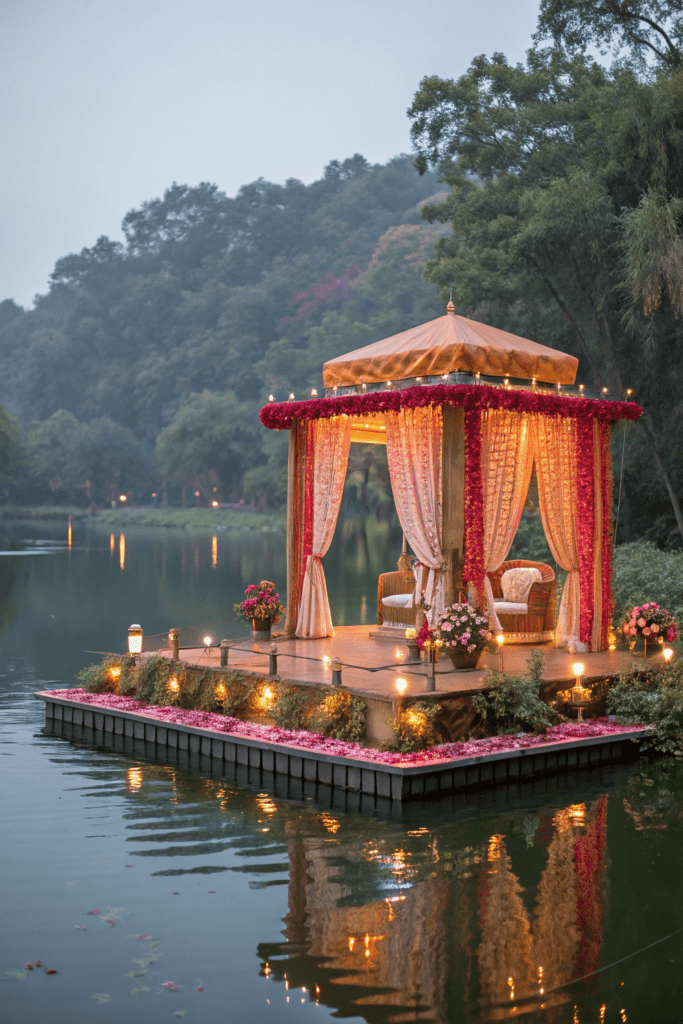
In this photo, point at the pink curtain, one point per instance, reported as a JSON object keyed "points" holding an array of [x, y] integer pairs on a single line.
{"points": [[555, 451], [331, 442], [506, 463], [414, 454]]}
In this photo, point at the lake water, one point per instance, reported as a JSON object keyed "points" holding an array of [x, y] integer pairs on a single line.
{"points": [[561, 902]]}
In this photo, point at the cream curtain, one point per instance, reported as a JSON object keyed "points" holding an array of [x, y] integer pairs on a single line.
{"points": [[414, 454], [506, 463], [555, 447], [332, 439]]}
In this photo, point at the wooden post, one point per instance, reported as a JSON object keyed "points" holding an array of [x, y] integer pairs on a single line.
{"points": [[453, 500]]}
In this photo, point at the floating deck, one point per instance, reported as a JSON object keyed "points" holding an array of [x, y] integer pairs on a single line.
{"points": [[224, 753]]}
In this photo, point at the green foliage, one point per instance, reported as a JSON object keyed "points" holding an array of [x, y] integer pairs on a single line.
{"points": [[513, 703], [642, 573], [9, 447], [414, 726], [293, 706], [239, 694], [151, 678], [100, 678], [654, 698], [341, 715]]}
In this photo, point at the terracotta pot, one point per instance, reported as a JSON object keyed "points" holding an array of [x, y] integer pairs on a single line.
{"points": [[261, 629], [462, 658]]}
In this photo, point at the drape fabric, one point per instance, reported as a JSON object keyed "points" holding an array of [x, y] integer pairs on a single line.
{"points": [[326, 463], [555, 452], [506, 464], [414, 455]]}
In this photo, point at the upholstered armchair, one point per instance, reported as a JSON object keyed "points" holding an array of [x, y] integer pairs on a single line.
{"points": [[529, 621], [394, 599]]}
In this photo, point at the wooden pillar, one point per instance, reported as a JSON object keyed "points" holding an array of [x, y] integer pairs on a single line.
{"points": [[453, 499]]}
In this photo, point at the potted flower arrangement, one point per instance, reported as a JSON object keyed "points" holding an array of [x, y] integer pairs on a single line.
{"points": [[464, 633], [656, 625], [262, 607]]}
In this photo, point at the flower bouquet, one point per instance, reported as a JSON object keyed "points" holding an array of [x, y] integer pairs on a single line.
{"points": [[261, 606], [464, 633], [656, 625]]}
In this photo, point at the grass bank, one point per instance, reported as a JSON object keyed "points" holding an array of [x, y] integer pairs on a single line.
{"points": [[186, 518]]}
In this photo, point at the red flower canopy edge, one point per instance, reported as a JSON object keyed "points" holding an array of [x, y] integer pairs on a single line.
{"points": [[281, 415]]}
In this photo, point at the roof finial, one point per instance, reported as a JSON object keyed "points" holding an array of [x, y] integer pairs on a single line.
{"points": [[450, 308]]}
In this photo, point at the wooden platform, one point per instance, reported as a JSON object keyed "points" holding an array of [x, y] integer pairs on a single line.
{"points": [[371, 665]]}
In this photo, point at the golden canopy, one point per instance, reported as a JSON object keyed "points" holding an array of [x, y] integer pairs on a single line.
{"points": [[445, 345]]}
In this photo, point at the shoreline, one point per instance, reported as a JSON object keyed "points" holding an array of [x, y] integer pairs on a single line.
{"points": [[173, 518]]}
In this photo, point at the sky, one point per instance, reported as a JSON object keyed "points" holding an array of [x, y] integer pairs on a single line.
{"points": [[107, 102]]}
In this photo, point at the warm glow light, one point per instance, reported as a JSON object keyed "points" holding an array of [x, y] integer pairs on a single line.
{"points": [[401, 686], [122, 551], [115, 672], [411, 633], [221, 691], [578, 669], [174, 685], [291, 396], [207, 640], [314, 393], [122, 497], [268, 694], [500, 639], [68, 534], [214, 504], [112, 542], [326, 661], [604, 391], [271, 398], [134, 779], [214, 549], [667, 654]]}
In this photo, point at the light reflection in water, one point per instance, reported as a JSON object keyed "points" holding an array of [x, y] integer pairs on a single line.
{"points": [[69, 533], [122, 551], [112, 542], [214, 551]]}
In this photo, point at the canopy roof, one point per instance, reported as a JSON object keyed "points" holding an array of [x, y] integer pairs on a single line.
{"points": [[445, 345]]}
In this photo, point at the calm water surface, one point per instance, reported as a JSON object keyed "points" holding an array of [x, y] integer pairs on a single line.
{"points": [[122, 875]]}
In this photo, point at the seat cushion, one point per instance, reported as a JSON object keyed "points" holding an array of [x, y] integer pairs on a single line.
{"points": [[398, 601], [510, 607], [516, 583]]}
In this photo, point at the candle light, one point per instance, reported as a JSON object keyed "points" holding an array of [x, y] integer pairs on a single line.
{"points": [[500, 640], [667, 654]]}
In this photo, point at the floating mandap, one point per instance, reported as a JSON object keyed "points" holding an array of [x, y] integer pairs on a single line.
{"points": [[466, 412]]}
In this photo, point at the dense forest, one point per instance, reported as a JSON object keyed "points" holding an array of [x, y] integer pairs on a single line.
{"points": [[549, 194]]}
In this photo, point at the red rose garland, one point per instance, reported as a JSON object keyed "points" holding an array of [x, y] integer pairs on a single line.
{"points": [[585, 524], [281, 415], [474, 569]]}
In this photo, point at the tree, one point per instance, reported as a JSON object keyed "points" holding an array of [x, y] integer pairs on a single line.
{"points": [[564, 177], [9, 448], [645, 27]]}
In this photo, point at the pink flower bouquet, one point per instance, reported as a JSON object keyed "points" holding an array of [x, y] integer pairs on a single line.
{"points": [[461, 626], [261, 601], [656, 624]]}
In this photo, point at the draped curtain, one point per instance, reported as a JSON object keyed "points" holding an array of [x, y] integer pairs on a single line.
{"points": [[506, 464], [555, 450], [326, 463], [414, 454]]}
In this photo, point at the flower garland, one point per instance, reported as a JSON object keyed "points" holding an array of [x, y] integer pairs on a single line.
{"points": [[317, 743], [474, 570], [281, 415], [607, 489], [585, 525]]}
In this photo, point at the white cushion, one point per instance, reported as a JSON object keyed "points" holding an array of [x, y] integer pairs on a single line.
{"points": [[510, 607], [516, 583], [398, 601]]}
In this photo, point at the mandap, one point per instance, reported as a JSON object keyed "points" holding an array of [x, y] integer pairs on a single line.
{"points": [[466, 412]]}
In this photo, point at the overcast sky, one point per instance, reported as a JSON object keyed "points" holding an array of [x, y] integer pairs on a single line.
{"points": [[106, 102]]}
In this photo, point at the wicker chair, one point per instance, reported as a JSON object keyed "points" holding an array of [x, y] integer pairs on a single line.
{"points": [[389, 584], [538, 624]]}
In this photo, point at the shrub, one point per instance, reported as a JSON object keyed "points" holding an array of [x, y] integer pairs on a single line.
{"points": [[293, 706], [104, 677], [654, 698], [513, 703], [643, 573], [414, 726], [151, 678], [239, 693], [341, 716]]}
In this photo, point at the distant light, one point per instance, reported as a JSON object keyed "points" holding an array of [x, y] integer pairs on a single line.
{"points": [[154, 494], [604, 391], [291, 396], [214, 504], [314, 393], [122, 497], [271, 398], [196, 494]]}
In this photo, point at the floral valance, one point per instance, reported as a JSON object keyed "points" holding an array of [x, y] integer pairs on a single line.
{"points": [[281, 415]]}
